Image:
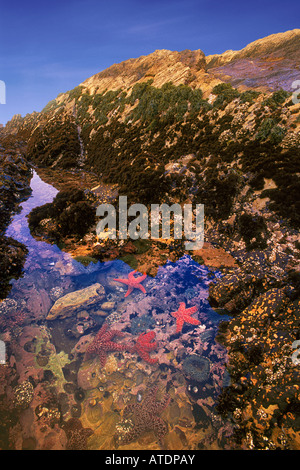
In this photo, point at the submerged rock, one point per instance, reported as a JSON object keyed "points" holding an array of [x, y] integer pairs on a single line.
{"points": [[23, 395], [80, 299], [88, 375]]}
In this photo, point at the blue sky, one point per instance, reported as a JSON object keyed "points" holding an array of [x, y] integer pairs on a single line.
{"points": [[48, 47]]}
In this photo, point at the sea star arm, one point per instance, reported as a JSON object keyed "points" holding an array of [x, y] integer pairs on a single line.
{"points": [[142, 288], [130, 289], [193, 321], [145, 355], [132, 277], [124, 281], [191, 310], [179, 324]]}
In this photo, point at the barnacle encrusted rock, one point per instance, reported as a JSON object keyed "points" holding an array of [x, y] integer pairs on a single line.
{"points": [[23, 394], [79, 299]]}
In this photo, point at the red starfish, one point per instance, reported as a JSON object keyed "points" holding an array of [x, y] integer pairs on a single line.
{"points": [[144, 345], [184, 315], [102, 343], [133, 282]]}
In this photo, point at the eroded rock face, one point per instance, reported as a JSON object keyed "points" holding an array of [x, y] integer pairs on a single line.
{"points": [[12, 258], [15, 175], [80, 299], [266, 64], [161, 65]]}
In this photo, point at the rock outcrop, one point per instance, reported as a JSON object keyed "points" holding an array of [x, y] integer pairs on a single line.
{"points": [[269, 63], [15, 175], [71, 303]]}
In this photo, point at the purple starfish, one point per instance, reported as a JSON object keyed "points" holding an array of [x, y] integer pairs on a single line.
{"points": [[146, 417], [102, 344]]}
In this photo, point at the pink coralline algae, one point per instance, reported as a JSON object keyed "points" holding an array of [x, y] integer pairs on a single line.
{"points": [[102, 343], [145, 343], [183, 315], [133, 282], [146, 417]]}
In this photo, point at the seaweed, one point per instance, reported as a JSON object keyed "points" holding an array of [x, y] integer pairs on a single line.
{"points": [[253, 230], [76, 219], [70, 210], [55, 144]]}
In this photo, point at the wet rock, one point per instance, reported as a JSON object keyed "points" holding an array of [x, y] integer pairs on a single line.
{"points": [[88, 375], [81, 346], [37, 302], [23, 395], [15, 175], [100, 313], [12, 258], [129, 248], [234, 292], [94, 411], [79, 328], [197, 367], [107, 306], [55, 293], [224, 290], [80, 299]]}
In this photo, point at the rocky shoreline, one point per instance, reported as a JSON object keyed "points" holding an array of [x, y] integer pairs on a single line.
{"points": [[262, 295], [15, 175], [259, 288]]}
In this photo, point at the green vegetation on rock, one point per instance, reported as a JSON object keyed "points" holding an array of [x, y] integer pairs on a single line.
{"points": [[70, 211]]}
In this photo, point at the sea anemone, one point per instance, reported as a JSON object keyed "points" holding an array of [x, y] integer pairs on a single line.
{"points": [[197, 368]]}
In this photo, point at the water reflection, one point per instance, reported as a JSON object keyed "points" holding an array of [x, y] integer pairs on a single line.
{"points": [[189, 366], [41, 194]]}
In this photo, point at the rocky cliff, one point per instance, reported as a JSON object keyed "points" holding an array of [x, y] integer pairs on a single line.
{"points": [[269, 63], [132, 122]]}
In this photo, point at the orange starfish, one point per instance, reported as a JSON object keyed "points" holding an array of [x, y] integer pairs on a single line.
{"points": [[133, 282], [183, 315]]}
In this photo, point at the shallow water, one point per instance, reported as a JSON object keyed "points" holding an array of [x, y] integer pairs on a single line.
{"points": [[51, 353]]}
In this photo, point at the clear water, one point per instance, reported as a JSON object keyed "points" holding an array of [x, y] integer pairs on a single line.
{"points": [[50, 353]]}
